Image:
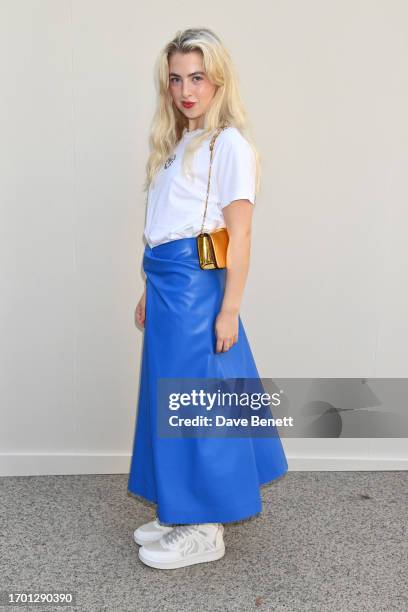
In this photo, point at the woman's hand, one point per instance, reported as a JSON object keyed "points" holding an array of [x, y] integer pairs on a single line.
{"points": [[140, 312], [226, 330]]}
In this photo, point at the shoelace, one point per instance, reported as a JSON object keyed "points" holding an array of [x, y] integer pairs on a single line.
{"points": [[177, 533]]}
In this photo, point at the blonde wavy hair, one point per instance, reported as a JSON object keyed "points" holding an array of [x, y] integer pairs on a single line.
{"points": [[225, 109]]}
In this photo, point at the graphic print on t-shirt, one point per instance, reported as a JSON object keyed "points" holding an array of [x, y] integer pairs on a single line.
{"points": [[169, 161]]}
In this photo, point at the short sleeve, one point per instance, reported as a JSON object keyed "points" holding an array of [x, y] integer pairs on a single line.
{"points": [[234, 168]]}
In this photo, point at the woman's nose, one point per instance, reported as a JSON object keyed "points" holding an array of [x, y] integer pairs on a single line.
{"points": [[186, 89]]}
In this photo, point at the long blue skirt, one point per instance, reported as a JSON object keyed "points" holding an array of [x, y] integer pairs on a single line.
{"points": [[193, 480]]}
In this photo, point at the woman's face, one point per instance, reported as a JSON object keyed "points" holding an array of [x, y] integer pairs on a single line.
{"points": [[188, 83]]}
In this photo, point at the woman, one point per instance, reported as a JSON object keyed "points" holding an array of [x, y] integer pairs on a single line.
{"points": [[192, 326]]}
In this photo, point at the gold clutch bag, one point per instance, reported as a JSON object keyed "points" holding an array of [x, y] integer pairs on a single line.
{"points": [[212, 246], [212, 249]]}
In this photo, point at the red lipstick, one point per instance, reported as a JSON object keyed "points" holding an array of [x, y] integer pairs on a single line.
{"points": [[188, 104]]}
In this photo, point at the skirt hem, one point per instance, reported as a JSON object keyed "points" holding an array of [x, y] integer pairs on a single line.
{"points": [[224, 515]]}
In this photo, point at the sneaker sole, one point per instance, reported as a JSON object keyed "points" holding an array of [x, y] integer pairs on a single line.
{"points": [[211, 555]]}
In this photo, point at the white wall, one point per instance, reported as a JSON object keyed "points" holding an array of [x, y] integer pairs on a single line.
{"points": [[326, 87]]}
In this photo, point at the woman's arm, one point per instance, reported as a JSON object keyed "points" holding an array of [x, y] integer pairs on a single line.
{"points": [[238, 218]]}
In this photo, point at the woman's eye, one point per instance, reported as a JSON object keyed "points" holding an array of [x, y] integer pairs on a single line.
{"points": [[174, 79]]}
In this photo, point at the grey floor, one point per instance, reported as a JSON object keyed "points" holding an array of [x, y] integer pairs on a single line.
{"points": [[325, 541]]}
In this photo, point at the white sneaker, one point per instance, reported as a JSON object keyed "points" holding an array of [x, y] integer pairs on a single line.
{"points": [[150, 532], [185, 545]]}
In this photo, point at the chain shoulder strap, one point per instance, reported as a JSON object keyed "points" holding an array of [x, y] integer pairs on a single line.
{"points": [[213, 139]]}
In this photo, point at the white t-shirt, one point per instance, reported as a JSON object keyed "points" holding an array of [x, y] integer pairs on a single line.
{"points": [[176, 201]]}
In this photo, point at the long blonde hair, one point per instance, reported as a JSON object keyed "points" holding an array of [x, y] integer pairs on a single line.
{"points": [[226, 107]]}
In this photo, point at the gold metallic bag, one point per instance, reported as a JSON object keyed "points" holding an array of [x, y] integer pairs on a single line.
{"points": [[212, 246]]}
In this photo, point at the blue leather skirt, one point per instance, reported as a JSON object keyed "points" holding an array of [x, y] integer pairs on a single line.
{"points": [[202, 479]]}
